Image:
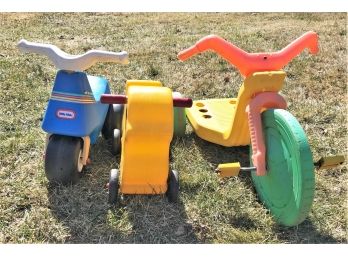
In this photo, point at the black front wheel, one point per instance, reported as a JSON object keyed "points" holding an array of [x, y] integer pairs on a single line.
{"points": [[63, 159], [173, 186]]}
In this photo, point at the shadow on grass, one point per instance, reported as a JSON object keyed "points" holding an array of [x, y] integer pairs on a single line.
{"points": [[154, 220], [217, 154], [306, 232], [88, 218]]}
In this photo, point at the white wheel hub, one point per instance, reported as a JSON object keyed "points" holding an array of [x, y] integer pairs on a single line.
{"points": [[80, 162]]}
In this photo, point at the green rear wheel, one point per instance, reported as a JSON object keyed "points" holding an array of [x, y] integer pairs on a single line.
{"points": [[287, 189]]}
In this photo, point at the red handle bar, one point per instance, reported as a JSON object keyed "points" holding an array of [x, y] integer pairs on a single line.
{"points": [[248, 63], [122, 99]]}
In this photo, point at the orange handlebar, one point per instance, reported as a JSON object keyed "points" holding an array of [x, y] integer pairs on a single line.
{"points": [[248, 63], [187, 53]]}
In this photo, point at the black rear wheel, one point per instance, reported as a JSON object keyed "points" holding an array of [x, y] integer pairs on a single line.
{"points": [[113, 120], [63, 159], [116, 142], [113, 186]]}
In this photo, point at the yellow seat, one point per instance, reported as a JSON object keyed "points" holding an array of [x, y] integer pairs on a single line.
{"points": [[225, 121], [147, 133], [214, 116]]}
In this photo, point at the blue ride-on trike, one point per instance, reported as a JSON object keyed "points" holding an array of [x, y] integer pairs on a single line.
{"points": [[74, 116]]}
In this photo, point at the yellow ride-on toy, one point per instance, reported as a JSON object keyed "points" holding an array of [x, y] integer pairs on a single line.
{"points": [[144, 138], [281, 160]]}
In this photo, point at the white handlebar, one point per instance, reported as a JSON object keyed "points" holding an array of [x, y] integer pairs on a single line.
{"points": [[66, 61]]}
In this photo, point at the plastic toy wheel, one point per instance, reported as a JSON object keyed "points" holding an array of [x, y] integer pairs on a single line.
{"points": [[287, 189], [113, 186], [116, 142], [179, 119], [113, 120], [63, 161], [173, 186]]}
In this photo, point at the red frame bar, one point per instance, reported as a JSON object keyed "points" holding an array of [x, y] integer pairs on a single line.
{"points": [[122, 99], [113, 99], [182, 102]]}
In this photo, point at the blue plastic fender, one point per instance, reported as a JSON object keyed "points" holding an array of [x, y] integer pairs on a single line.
{"points": [[74, 108]]}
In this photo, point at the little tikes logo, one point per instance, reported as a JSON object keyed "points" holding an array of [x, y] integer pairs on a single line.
{"points": [[65, 114]]}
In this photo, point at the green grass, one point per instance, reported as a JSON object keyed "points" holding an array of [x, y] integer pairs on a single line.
{"points": [[210, 210]]}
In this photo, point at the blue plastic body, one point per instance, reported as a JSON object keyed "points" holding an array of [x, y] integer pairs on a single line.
{"points": [[74, 108]]}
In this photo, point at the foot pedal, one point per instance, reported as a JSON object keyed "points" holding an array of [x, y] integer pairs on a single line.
{"points": [[228, 169], [329, 162]]}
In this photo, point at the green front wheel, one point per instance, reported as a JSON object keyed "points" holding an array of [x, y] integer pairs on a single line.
{"points": [[287, 189]]}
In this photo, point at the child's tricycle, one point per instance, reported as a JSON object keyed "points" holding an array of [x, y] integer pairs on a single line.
{"points": [[74, 116], [281, 160], [148, 125]]}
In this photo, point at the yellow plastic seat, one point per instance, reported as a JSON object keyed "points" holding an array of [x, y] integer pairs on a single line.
{"points": [[214, 116], [225, 121]]}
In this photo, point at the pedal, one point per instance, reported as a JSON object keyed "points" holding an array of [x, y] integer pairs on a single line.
{"points": [[329, 162], [228, 169]]}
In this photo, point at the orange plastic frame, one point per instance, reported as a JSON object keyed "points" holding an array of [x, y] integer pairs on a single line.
{"points": [[249, 63], [259, 102]]}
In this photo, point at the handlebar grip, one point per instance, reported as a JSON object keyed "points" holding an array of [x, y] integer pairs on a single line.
{"points": [[26, 46], [182, 102], [187, 53], [307, 40], [122, 99], [313, 45]]}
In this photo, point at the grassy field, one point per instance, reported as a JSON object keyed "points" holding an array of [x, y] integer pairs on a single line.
{"points": [[210, 210]]}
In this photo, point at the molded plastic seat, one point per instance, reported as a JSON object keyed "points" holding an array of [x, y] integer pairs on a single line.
{"points": [[215, 114], [65, 61], [225, 121], [147, 133]]}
